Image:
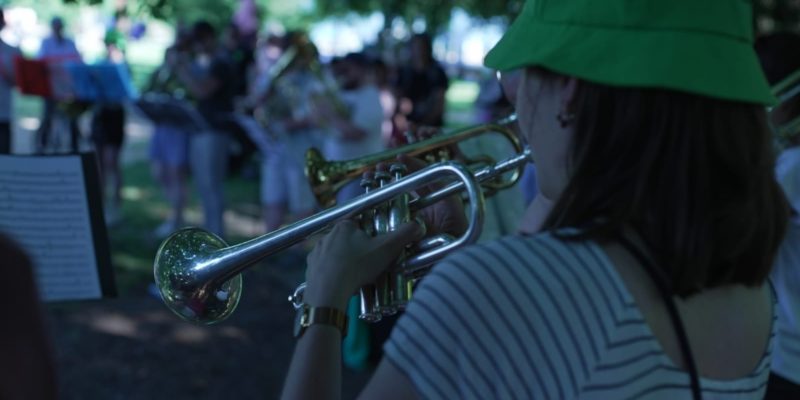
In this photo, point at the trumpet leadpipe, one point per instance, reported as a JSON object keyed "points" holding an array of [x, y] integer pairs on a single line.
{"points": [[482, 175]]}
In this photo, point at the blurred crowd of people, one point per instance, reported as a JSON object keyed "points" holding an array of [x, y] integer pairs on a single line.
{"points": [[249, 98], [274, 94], [59, 121]]}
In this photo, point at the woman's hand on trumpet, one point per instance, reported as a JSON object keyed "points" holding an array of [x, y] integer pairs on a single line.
{"points": [[347, 258], [446, 216]]}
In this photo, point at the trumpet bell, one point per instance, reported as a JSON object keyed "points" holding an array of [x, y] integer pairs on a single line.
{"points": [[178, 262]]}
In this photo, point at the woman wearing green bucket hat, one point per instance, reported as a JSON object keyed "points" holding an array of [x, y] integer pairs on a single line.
{"points": [[647, 277]]}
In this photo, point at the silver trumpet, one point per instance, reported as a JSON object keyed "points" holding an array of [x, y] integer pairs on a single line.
{"points": [[199, 275]]}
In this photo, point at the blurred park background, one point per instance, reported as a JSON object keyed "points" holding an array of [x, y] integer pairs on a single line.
{"points": [[132, 347]]}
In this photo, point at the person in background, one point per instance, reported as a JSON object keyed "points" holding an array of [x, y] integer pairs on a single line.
{"points": [[206, 79], [779, 54], [420, 87], [293, 128], [108, 133], [56, 48], [7, 81], [169, 147], [247, 19], [388, 99], [354, 131], [241, 56]]}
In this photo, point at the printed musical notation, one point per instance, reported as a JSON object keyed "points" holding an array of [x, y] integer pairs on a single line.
{"points": [[44, 207]]}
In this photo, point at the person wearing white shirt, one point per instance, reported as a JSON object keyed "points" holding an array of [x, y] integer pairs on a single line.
{"points": [[56, 49], [356, 129]]}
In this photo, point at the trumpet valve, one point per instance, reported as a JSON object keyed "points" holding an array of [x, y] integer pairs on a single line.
{"points": [[367, 219], [399, 212], [398, 170], [382, 177], [367, 183], [370, 306]]}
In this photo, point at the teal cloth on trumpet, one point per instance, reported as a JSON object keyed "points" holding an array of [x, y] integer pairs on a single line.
{"points": [[356, 345]]}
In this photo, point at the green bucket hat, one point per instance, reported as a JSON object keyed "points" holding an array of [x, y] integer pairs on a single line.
{"points": [[697, 46]]}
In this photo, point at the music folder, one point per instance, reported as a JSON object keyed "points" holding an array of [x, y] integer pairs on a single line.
{"points": [[68, 80], [51, 206], [163, 109]]}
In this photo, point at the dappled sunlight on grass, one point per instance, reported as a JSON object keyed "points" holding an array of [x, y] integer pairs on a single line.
{"points": [[242, 225], [115, 324], [190, 334]]}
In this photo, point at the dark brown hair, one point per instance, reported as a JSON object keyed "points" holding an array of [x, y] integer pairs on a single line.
{"points": [[692, 175]]}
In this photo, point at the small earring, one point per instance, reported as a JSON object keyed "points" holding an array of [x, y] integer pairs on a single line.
{"points": [[565, 118]]}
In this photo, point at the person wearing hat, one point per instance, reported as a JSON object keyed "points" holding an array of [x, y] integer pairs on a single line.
{"points": [[647, 278]]}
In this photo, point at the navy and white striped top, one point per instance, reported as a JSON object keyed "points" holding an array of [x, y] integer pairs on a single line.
{"points": [[536, 317], [785, 276]]}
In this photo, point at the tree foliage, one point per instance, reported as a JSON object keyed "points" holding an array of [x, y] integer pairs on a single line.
{"points": [[435, 13], [770, 14], [777, 15]]}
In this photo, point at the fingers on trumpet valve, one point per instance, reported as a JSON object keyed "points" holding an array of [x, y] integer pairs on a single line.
{"points": [[391, 291]]}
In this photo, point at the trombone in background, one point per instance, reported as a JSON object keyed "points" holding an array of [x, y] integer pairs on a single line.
{"points": [[328, 177], [787, 126], [199, 275]]}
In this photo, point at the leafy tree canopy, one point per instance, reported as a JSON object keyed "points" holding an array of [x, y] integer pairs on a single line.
{"points": [[770, 14]]}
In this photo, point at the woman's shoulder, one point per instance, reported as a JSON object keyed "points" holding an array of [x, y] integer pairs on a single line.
{"points": [[521, 303], [530, 264], [544, 251]]}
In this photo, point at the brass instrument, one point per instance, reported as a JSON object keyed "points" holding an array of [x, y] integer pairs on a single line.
{"points": [[301, 54], [198, 274], [786, 90], [328, 177]]}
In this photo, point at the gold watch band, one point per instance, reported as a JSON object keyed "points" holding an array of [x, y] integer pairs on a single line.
{"points": [[322, 315]]}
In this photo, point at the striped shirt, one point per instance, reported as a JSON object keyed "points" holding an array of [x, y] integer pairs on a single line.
{"points": [[535, 317], [785, 277]]}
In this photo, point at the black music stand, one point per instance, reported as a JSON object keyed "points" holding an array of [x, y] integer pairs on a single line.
{"points": [[163, 109]]}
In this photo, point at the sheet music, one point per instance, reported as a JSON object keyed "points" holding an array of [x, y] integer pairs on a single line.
{"points": [[44, 207]]}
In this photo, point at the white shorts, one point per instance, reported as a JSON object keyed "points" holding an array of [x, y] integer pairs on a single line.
{"points": [[284, 182]]}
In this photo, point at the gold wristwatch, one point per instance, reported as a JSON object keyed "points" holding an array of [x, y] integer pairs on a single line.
{"points": [[308, 315]]}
